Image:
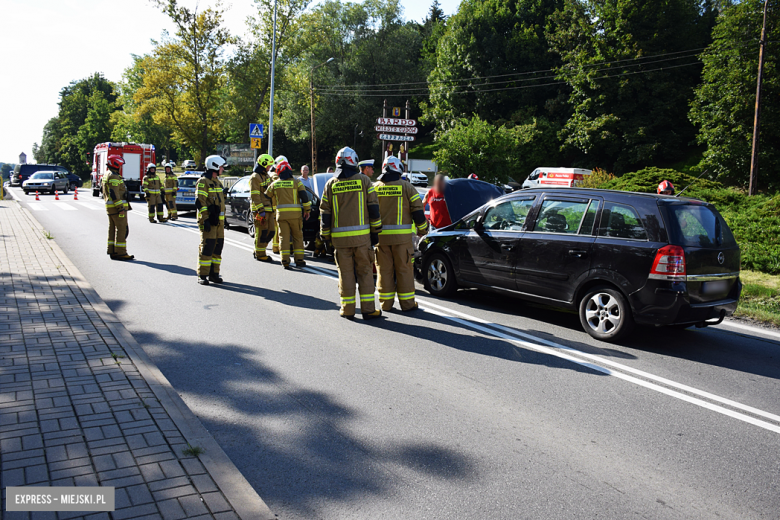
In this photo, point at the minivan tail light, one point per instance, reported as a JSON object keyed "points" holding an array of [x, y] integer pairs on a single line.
{"points": [[669, 264]]}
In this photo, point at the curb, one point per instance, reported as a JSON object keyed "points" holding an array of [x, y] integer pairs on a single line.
{"points": [[240, 494]]}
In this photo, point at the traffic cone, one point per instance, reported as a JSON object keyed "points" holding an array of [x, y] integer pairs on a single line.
{"points": [[36, 195], [76, 193], [56, 195]]}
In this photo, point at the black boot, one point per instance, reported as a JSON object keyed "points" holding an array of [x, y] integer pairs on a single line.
{"points": [[215, 278], [203, 280]]}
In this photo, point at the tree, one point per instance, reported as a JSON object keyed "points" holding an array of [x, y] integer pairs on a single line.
{"points": [[134, 125], [724, 104], [487, 58], [97, 125], [476, 146], [184, 77], [632, 68], [249, 70]]}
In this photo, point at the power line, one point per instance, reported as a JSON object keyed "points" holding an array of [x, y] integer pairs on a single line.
{"points": [[403, 92], [551, 74]]}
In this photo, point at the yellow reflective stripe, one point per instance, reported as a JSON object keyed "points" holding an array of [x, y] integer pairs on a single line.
{"points": [[205, 262], [371, 189], [335, 211], [361, 205], [387, 295], [367, 297], [405, 296], [216, 260], [416, 196], [400, 211], [396, 231], [349, 233]]}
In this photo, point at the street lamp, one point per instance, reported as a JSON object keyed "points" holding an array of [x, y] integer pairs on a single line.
{"points": [[273, 73], [313, 136]]}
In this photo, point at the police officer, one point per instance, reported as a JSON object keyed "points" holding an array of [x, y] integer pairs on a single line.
{"points": [[289, 195], [210, 203], [367, 167], [262, 207], [115, 195], [352, 222], [152, 187], [170, 188], [401, 209]]}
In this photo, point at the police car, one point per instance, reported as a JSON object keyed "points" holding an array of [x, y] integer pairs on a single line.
{"points": [[551, 176], [185, 197]]}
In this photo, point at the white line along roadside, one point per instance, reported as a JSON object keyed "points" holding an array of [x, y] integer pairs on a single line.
{"points": [[576, 356]]}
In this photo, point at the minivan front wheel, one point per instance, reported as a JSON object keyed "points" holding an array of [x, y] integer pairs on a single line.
{"points": [[438, 276], [605, 314]]}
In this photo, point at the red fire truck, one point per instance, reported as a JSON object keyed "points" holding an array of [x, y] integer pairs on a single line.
{"points": [[136, 157]]}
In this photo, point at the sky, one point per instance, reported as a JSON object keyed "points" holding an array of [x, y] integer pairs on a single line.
{"points": [[49, 43]]}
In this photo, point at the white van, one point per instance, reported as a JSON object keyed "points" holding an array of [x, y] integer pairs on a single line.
{"points": [[548, 176]]}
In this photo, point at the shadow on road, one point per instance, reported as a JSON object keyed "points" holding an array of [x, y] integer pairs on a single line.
{"points": [[293, 444], [293, 299], [171, 268]]}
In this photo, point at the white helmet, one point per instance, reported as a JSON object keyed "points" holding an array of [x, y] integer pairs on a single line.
{"points": [[150, 166], [280, 159], [213, 162], [393, 164], [169, 165], [347, 156]]}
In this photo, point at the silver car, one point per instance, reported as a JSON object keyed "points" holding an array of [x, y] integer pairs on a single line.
{"points": [[46, 181]]}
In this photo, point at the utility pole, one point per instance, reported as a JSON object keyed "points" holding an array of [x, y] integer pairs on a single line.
{"points": [[273, 73], [753, 189], [313, 126]]}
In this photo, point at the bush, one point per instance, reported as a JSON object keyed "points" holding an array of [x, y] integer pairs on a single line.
{"points": [[755, 221]]}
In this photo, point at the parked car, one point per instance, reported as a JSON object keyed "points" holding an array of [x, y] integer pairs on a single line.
{"points": [[185, 196], [50, 181], [237, 210], [22, 172], [75, 180], [619, 258], [416, 178], [189, 163]]}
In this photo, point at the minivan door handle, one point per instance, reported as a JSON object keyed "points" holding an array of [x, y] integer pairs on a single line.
{"points": [[578, 253], [507, 248]]}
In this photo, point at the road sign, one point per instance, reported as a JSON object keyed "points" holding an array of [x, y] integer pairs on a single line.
{"points": [[395, 137], [396, 122], [256, 142], [396, 129], [255, 131]]}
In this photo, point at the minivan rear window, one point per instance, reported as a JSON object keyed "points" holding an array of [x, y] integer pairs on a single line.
{"points": [[698, 226]]}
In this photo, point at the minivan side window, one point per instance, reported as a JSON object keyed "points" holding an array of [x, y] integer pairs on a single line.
{"points": [[621, 221], [560, 216], [508, 216], [590, 218]]}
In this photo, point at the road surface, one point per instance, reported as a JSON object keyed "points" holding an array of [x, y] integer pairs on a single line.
{"points": [[476, 407]]}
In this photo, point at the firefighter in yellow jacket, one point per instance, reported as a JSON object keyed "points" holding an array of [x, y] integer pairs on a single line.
{"points": [[262, 207], [401, 209], [289, 197], [152, 187], [351, 221], [210, 204], [170, 188], [115, 195]]}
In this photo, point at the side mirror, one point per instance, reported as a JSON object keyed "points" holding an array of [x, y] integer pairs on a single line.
{"points": [[477, 224]]}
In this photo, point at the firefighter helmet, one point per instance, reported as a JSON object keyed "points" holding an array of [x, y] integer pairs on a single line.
{"points": [[151, 166], [280, 159], [346, 156], [666, 188], [214, 162], [115, 161], [474, 176], [393, 164], [282, 165], [265, 160]]}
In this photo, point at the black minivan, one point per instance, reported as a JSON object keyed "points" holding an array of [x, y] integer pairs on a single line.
{"points": [[22, 172], [617, 257]]}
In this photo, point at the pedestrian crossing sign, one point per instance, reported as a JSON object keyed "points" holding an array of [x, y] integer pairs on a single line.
{"points": [[255, 131], [256, 142]]}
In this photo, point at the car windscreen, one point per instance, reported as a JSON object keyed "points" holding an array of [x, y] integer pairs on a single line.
{"points": [[42, 175], [188, 182], [697, 225]]}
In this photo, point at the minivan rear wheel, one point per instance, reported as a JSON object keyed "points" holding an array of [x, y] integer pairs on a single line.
{"points": [[605, 314], [438, 276]]}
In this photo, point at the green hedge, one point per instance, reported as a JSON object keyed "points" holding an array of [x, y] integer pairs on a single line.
{"points": [[755, 221]]}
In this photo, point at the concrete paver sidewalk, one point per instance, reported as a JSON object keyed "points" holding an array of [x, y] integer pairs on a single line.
{"points": [[81, 403]]}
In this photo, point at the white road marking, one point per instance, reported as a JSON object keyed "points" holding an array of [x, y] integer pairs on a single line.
{"points": [[64, 206], [38, 207], [754, 330]]}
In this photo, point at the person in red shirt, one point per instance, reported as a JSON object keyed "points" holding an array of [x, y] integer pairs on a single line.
{"points": [[434, 199]]}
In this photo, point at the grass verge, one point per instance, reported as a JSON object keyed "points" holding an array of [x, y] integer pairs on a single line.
{"points": [[760, 297]]}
